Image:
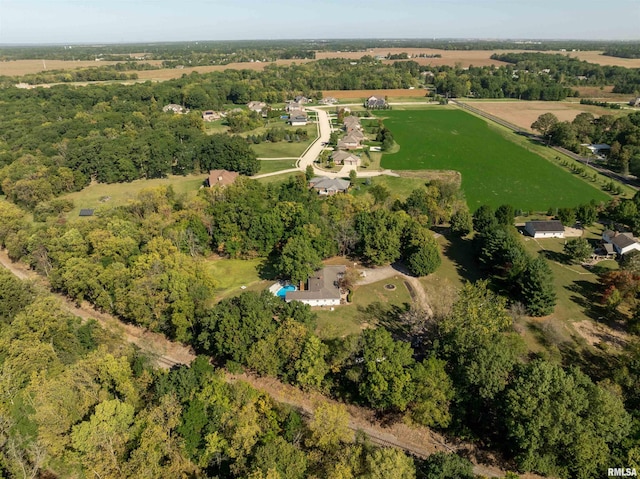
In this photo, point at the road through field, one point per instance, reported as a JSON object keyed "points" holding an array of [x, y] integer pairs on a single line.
{"points": [[418, 441]]}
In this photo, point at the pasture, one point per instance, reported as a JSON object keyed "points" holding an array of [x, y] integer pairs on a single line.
{"points": [[494, 169]]}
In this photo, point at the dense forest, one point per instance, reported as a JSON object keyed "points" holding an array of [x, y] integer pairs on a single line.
{"points": [[77, 402]]}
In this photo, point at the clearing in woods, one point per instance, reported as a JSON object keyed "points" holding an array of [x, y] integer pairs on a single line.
{"points": [[494, 170]]}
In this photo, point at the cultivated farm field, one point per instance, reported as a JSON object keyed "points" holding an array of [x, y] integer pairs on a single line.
{"points": [[494, 169], [524, 113]]}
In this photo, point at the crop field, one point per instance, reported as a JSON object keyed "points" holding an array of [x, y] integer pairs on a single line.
{"points": [[476, 58], [494, 169], [524, 113]]}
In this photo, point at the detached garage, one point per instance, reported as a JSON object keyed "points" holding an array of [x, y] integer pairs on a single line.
{"points": [[545, 229]]}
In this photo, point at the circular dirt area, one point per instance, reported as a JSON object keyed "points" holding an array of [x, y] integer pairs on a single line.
{"points": [[390, 286]]}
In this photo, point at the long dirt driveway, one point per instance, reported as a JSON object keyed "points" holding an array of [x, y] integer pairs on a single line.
{"points": [[419, 441]]}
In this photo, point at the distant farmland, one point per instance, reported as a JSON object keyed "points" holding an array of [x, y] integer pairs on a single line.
{"points": [[494, 170]]}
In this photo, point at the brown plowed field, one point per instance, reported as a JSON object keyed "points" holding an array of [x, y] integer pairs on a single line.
{"points": [[523, 113], [475, 57], [25, 67]]}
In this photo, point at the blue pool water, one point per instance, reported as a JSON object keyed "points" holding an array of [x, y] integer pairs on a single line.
{"points": [[282, 292]]}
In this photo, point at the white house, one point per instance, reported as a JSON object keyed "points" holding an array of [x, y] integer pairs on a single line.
{"points": [[323, 289], [298, 118], [622, 242], [545, 229]]}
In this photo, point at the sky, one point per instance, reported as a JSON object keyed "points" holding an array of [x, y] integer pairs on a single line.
{"points": [[129, 21]]}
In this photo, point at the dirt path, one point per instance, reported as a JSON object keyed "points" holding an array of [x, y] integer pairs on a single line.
{"points": [[419, 441], [418, 294]]}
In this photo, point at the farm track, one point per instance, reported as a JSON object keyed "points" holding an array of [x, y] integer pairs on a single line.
{"points": [[417, 441]]}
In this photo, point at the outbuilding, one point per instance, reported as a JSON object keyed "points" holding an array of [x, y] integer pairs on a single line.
{"points": [[545, 229]]}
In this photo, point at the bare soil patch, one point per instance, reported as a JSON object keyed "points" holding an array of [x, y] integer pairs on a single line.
{"points": [[171, 73], [602, 93], [524, 113], [600, 59], [597, 333]]}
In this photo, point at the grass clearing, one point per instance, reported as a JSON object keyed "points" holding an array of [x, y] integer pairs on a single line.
{"points": [[271, 166], [494, 169], [231, 274], [116, 194], [353, 318], [281, 149]]}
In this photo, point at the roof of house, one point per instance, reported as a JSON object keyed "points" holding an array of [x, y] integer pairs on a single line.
{"points": [[351, 119], [323, 285], [298, 114], [329, 184], [86, 212], [256, 105], [340, 155], [173, 107], [623, 240], [222, 177], [608, 233], [551, 226], [356, 134], [608, 247]]}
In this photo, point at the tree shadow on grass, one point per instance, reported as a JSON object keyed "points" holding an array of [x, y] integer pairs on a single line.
{"points": [[586, 294], [267, 269], [461, 252], [557, 257]]}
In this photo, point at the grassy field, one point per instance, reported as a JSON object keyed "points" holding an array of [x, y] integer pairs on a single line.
{"points": [[231, 274], [494, 169], [270, 166], [100, 194], [282, 149], [352, 318], [399, 187]]}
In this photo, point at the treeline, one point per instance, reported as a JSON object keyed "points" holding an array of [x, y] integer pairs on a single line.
{"points": [[622, 134], [623, 50], [87, 404], [491, 82], [567, 70], [603, 104], [102, 73]]}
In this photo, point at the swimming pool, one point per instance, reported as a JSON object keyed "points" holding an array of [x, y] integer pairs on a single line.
{"points": [[282, 292]]}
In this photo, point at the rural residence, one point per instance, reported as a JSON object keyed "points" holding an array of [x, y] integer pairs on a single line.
{"points": [[349, 142], [329, 186], [211, 115], [351, 123], [221, 178], [256, 106], [374, 103], [545, 229], [622, 242], [635, 102], [340, 157], [323, 289], [173, 108], [298, 118]]}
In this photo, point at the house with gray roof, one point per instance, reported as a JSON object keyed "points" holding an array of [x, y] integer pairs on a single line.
{"points": [[341, 157], [323, 288], [375, 103], [545, 229], [349, 142], [622, 242], [298, 118], [329, 186], [173, 108]]}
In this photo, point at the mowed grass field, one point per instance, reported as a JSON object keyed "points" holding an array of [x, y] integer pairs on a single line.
{"points": [[494, 170]]}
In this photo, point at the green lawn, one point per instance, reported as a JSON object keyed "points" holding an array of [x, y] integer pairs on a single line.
{"points": [[494, 169], [352, 318], [269, 166], [231, 274], [281, 149], [399, 187], [100, 194]]}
